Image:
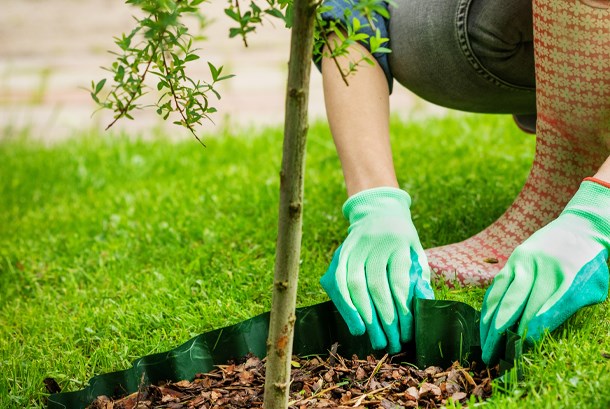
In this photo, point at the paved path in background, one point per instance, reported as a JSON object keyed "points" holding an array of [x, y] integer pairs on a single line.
{"points": [[49, 49]]}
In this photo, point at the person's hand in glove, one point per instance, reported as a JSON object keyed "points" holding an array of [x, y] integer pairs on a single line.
{"points": [[558, 270], [379, 268]]}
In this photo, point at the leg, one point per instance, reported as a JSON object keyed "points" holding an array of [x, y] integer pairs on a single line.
{"points": [[559, 166], [573, 103]]}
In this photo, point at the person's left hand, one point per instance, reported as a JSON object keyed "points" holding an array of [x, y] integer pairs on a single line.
{"points": [[558, 270]]}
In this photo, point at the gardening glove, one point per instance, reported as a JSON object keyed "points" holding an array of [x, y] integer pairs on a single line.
{"points": [[558, 270], [379, 268]]}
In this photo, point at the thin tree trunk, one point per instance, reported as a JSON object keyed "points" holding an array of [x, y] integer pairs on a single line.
{"points": [[288, 250]]}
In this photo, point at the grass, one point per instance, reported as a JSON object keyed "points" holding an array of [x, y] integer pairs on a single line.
{"points": [[111, 249]]}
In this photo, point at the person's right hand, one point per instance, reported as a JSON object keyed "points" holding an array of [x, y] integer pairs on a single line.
{"points": [[379, 268]]}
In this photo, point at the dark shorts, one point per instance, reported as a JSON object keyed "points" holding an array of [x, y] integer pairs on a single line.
{"points": [[470, 55]]}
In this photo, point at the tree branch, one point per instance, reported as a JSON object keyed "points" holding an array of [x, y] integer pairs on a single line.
{"points": [[176, 100], [133, 95], [334, 57]]}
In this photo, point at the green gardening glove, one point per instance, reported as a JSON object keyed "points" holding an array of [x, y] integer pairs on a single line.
{"points": [[558, 270], [379, 268]]}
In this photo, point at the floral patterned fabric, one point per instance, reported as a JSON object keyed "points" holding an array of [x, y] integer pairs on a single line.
{"points": [[572, 49]]}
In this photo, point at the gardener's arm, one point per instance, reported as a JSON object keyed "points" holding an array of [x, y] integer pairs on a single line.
{"points": [[358, 116], [381, 266]]}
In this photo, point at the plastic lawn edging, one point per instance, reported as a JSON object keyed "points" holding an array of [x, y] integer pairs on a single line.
{"points": [[445, 331]]}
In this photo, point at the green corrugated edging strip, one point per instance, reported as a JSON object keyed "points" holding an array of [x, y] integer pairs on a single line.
{"points": [[445, 331]]}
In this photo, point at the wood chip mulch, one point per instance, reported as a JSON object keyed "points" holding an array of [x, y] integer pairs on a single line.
{"points": [[335, 382]]}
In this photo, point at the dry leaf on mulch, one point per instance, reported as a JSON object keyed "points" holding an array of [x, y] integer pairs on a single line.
{"points": [[335, 382]]}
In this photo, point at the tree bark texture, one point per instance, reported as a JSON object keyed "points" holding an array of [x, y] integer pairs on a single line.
{"points": [[288, 250]]}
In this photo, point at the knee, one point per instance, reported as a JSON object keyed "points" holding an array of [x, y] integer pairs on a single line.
{"points": [[447, 53], [500, 34]]}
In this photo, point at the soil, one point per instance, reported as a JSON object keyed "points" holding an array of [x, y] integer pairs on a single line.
{"points": [[334, 382]]}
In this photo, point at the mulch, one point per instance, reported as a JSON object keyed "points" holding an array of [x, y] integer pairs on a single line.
{"points": [[333, 382]]}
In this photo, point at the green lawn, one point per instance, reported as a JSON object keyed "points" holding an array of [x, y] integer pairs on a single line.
{"points": [[113, 249]]}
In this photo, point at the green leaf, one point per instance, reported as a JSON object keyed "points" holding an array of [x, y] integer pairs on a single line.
{"points": [[382, 11], [289, 15], [214, 71], [120, 73], [275, 13], [234, 32], [232, 14], [368, 61], [123, 42], [99, 86], [191, 57], [339, 33], [225, 77]]}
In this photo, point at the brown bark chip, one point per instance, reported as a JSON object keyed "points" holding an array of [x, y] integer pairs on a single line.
{"points": [[336, 382], [429, 390]]}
